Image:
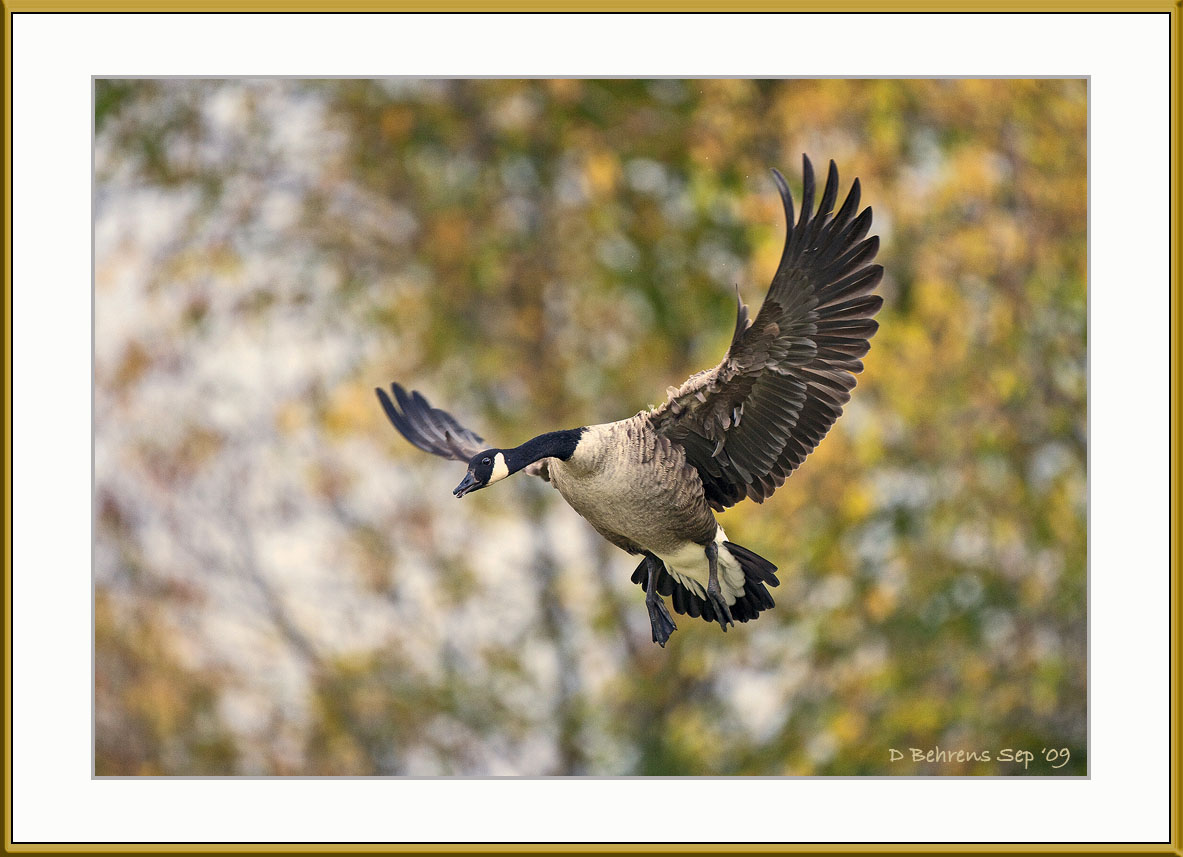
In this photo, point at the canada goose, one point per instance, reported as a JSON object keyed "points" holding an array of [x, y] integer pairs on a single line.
{"points": [[649, 483]]}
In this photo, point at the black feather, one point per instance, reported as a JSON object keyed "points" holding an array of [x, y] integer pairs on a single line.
{"points": [[428, 428]]}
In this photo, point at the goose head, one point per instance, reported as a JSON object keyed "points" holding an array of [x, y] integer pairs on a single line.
{"points": [[484, 469]]}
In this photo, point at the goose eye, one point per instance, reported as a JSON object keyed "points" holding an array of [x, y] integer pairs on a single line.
{"points": [[486, 460]]}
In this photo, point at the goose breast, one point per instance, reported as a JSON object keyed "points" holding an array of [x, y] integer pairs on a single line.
{"points": [[635, 487]]}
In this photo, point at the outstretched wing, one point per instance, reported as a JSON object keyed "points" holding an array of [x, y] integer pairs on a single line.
{"points": [[750, 421], [430, 429]]}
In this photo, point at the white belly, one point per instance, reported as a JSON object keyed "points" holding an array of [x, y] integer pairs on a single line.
{"points": [[688, 564]]}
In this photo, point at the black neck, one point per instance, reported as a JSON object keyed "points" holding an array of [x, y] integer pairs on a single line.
{"points": [[553, 444]]}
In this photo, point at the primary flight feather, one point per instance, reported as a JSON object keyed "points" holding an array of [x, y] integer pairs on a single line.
{"points": [[650, 484]]}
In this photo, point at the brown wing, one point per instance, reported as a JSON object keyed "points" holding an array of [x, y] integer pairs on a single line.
{"points": [[436, 431], [750, 421], [430, 429]]}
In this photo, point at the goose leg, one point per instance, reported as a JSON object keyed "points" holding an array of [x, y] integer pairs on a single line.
{"points": [[659, 617], [714, 594]]}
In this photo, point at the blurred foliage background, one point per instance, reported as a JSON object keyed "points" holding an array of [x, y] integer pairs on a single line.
{"points": [[284, 586]]}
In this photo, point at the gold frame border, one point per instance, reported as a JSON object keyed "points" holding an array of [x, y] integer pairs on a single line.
{"points": [[540, 6], [1173, 7]]}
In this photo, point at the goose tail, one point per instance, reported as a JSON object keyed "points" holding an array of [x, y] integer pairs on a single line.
{"points": [[759, 573]]}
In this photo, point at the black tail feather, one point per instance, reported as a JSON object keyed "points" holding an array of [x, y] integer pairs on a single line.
{"points": [[755, 599], [754, 566]]}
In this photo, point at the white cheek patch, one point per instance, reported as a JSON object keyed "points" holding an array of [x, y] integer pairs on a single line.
{"points": [[500, 469]]}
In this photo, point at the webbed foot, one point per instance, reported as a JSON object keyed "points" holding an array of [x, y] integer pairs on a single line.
{"points": [[714, 595], [659, 617], [660, 620], [722, 611]]}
